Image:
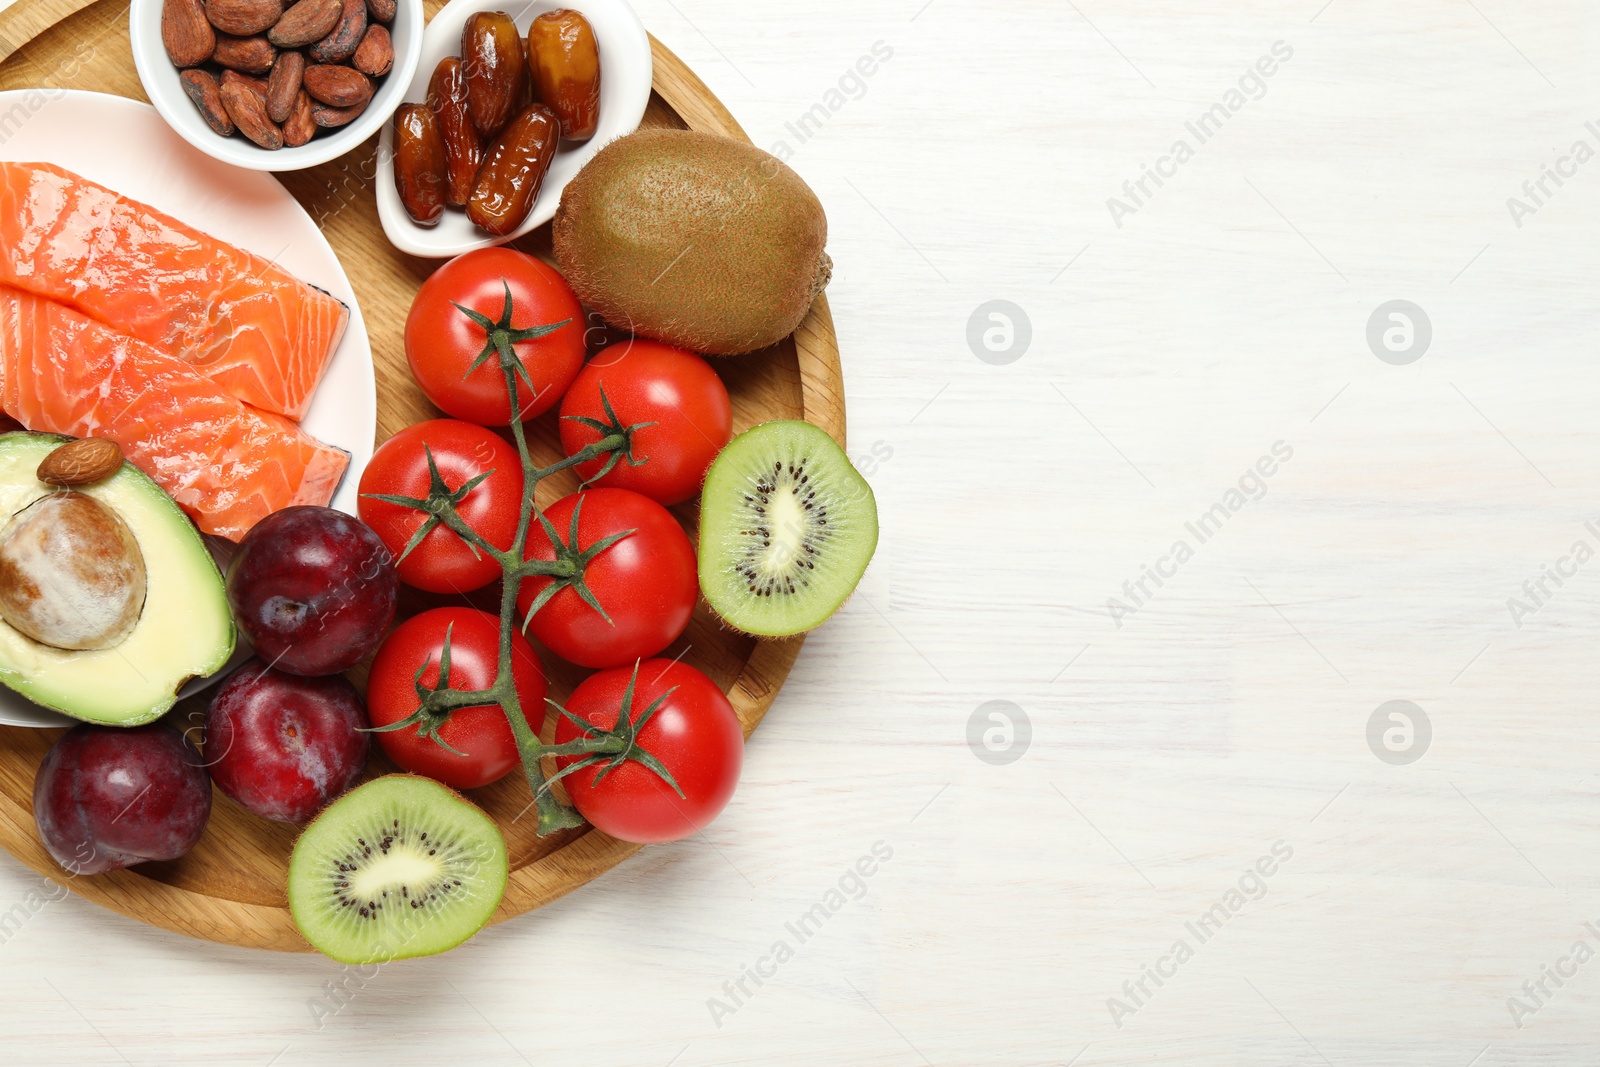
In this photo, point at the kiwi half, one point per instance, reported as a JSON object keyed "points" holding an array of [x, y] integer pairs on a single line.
{"points": [[396, 868], [787, 527]]}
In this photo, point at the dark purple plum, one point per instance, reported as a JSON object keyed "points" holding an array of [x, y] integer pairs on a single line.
{"points": [[283, 745], [313, 589], [108, 797]]}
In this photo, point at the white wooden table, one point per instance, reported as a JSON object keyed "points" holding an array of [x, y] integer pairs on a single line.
{"points": [[1222, 721]]}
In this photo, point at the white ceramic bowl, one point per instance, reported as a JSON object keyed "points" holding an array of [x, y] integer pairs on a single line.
{"points": [[161, 85], [625, 75]]}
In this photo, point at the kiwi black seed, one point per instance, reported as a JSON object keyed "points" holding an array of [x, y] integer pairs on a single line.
{"points": [[787, 527], [396, 868]]}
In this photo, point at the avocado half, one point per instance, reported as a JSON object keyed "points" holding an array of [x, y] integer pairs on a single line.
{"points": [[184, 630]]}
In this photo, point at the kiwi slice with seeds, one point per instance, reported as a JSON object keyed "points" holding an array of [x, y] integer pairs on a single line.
{"points": [[396, 868], [787, 527]]}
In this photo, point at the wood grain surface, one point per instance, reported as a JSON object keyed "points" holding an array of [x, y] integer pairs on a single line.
{"points": [[231, 888]]}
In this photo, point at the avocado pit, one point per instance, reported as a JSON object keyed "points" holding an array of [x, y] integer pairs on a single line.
{"points": [[71, 573]]}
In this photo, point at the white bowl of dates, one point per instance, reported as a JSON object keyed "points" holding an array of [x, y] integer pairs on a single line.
{"points": [[276, 85], [506, 105]]}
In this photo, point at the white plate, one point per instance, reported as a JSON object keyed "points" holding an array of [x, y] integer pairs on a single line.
{"points": [[626, 70], [126, 146]]}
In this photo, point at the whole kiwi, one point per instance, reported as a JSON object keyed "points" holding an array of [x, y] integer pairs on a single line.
{"points": [[697, 240]]}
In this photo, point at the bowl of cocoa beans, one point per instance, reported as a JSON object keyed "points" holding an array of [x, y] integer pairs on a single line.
{"points": [[276, 85]]}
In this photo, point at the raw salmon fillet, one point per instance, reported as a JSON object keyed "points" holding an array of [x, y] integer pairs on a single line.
{"points": [[227, 464], [261, 334]]}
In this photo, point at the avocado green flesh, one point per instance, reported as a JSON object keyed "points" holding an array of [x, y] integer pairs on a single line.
{"points": [[787, 528], [184, 631]]}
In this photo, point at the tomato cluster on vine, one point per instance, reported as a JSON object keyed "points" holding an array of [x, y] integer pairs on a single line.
{"points": [[605, 577]]}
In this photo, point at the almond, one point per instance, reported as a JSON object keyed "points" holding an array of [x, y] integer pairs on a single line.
{"points": [[342, 43], [242, 18], [381, 10], [187, 35], [202, 87], [301, 125], [305, 22], [249, 112], [248, 55], [337, 86], [375, 55], [81, 462], [284, 85], [333, 117]]}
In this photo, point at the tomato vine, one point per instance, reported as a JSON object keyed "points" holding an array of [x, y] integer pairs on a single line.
{"points": [[437, 702]]}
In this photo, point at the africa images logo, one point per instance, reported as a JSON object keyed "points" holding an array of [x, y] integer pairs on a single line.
{"points": [[1537, 592], [1252, 85], [1252, 485], [1536, 193], [1250, 886], [850, 886]]}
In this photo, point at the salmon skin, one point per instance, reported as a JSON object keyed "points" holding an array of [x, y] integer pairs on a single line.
{"points": [[228, 465], [261, 334]]}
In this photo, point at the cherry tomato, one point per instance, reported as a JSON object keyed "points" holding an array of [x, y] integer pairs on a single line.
{"points": [[481, 734], [646, 582], [649, 382], [442, 562], [443, 342], [694, 734]]}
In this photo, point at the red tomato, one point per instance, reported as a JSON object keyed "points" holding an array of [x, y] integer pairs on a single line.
{"points": [[442, 562], [646, 581], [694, 734], [481, 734], [443, 342], [646, 381]]}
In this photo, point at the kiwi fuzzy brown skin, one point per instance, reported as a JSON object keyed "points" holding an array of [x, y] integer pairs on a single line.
{"points": [[693, 239]]}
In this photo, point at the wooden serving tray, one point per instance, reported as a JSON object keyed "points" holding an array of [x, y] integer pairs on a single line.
{"points": [[231, 888]]}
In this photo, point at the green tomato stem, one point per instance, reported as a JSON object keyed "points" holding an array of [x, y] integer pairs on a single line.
{"points": [[553, 814]]}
